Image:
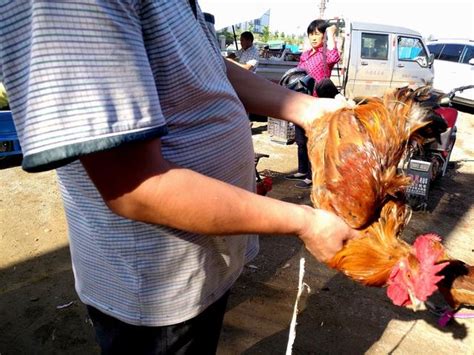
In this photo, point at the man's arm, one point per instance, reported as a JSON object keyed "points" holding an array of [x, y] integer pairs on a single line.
{"points": [[262, 97], [246, 66], [136, 182]]}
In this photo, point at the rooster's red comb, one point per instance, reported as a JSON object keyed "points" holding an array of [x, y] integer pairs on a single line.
{"points": [[429, 251]]}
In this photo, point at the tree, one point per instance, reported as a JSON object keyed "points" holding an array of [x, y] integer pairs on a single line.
{"points": [[265, 34], [291, 39], [229, 37], [250, 27]]}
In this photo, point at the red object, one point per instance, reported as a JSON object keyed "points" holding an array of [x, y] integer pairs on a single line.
{"points": [[421, 281], [264, 186], [449, 114]]}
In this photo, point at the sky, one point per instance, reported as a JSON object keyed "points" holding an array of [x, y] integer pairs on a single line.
{"points": [[440, 19]]}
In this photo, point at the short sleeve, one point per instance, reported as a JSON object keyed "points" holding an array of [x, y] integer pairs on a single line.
{"points": [[249, 56], [252, 62], [253, 58], [79, 79]]}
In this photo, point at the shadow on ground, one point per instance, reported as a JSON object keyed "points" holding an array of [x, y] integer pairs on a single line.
{"points": [[339, 316], [31, 318]]}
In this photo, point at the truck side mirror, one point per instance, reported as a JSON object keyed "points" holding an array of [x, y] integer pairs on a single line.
{"points": [[430, 60], [471, 61], [422, 62]]}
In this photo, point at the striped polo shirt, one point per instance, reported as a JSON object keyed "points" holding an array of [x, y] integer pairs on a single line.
{"points": [[89, 75], [249, 56]]}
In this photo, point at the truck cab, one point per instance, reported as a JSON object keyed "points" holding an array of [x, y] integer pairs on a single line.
{"points": [[378, 57]]}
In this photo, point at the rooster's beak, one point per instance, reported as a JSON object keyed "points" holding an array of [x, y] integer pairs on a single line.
{"points": [[416, 304]]}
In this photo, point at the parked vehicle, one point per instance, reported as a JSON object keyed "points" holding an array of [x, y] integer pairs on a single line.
{"points": [[430, 162], [9, 143], [454, 67], [374, 58]]}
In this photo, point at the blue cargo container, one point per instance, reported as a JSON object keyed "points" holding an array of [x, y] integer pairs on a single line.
{"points": [[9, 143]]}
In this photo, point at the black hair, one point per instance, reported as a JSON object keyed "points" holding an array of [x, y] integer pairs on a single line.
{"points": [[247, 35], [319, 25]]}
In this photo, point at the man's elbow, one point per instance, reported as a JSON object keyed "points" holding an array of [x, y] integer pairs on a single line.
{"points": [[126, 206], [142, 203]]}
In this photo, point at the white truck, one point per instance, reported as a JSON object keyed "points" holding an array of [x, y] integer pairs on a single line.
{"points": [[373, 58]]}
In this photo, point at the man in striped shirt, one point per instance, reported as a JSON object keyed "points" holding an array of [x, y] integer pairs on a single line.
{"points": [[154, 160], [247, 55]]}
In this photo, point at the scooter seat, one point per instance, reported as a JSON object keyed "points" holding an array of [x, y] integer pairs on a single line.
{"points": [[449, 114]]}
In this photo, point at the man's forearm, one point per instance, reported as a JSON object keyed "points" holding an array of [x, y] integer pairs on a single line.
{"points": [[245, 66], [136, 182], [261, 96], [180, 198], [183, 199]]}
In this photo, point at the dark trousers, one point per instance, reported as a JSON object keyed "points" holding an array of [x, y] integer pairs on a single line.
{"points": [[324, 88], [198, 335], [304, 165]]}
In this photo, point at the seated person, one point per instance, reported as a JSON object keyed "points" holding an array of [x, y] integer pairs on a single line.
{"points": [[248, 55]]}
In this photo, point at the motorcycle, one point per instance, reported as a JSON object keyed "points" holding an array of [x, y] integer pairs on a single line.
{"points": [[430, 162]]}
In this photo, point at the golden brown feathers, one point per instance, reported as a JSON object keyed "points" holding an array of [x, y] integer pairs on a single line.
{"points": [[355, 154], [370, 258]]}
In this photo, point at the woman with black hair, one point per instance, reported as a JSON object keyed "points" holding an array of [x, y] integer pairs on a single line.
{"points": [[318, 62]]}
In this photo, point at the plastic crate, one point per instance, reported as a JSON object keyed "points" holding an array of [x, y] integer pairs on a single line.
{"points": [[9, 143], [281, 131]]}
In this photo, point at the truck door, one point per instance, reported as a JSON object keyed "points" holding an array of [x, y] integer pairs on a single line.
{"points": [[411, 63], [370, 70]]}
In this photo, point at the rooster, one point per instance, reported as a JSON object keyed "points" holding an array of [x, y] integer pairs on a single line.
{"points": [[355, 154]]}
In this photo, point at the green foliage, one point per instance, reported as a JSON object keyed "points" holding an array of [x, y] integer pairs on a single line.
{"points": [[229, 36], [265, 36]]}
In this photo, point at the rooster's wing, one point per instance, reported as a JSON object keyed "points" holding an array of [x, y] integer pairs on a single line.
{"points": [[355, 153]]}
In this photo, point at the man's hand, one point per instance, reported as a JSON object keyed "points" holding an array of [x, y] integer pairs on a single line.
{"points": [[325, 234], [321, 106], [262, 97]]}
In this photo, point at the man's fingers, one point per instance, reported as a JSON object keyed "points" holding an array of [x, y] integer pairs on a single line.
{"points": [[344, 102]]}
